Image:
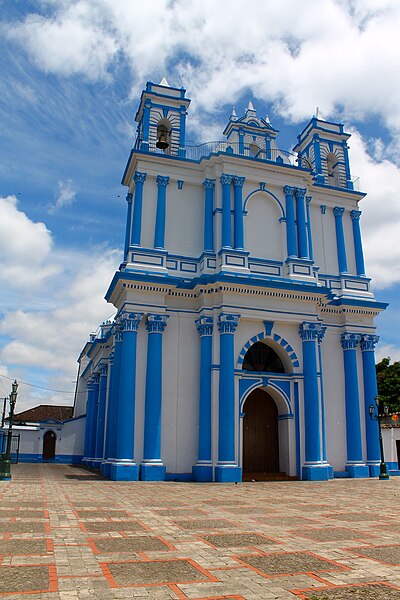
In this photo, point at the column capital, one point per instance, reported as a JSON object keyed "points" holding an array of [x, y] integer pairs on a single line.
{"points": [[289, 190], [238, 181], [350, 341], [355, 215], [209, 184], [225, 179], [130, 321], [368, 342], [228, 323], [129, 198], [204, 326], [308, 200], [95, 378], [338, 211], [111, 358], [321, 333], [139, 177], [310, 332], [117, 329], [162, 181], [90, 384], [103, 369], [156, 323], [300, 193]]}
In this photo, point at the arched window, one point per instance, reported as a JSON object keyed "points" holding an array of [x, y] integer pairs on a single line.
{"points": [[332, 167], [254, 150], [261, 357]]}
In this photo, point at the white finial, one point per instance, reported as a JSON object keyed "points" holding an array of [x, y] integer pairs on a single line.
{"points": [[233, 114], [164, 82], [250, 106], [267, 119], [316, 112]]}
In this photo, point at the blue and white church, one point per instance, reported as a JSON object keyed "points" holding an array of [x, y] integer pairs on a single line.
{"points": [[244, 338]]}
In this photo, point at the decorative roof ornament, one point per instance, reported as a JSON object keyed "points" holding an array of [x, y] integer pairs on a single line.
{"points": [[267, 120], [164, 82], [250, 109], [233, 114]]}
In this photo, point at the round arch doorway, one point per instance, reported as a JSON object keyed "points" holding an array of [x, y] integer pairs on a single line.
{"points": [[49, 445], [260, 437]]}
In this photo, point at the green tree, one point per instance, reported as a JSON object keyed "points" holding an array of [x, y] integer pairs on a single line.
{"points": [[388, 378]]}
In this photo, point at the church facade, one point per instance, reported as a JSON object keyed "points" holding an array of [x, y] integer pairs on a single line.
{"points": [[243, 344]]}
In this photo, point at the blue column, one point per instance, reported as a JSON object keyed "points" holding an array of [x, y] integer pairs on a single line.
{"points": [[182, 131], [238, 212], [290, 222], [105, 465], [355, 464], [152, 468], [321, 335], [159, 235], [349, 183], [209, 185], [93, 424], [314, 467], [88, 423], [101, 414], [146, 126], [226, 211], [368, 343], [227, 469], [128, 225], [358, 249], [113, 400], [139, 179], [268, 147], [301, 223], [241, 141], [340, 243], [124, 467], [317, 158], [203, 470], [309, 230]]}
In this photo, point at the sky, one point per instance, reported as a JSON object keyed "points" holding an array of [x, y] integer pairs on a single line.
{"points": [[71, 73]]}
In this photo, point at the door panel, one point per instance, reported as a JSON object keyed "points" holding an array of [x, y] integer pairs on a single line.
{"points": [[260, 434]]}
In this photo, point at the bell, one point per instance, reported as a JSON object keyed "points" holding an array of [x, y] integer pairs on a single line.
{"points": [[162, 141]]}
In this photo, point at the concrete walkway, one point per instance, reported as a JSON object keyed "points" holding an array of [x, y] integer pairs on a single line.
{"points": [[66, 533]]}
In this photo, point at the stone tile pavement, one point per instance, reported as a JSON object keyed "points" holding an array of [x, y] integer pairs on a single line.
{"points": [[66, 533]]}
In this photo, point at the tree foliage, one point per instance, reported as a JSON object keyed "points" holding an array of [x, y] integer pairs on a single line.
{"points": [[388, 378]]}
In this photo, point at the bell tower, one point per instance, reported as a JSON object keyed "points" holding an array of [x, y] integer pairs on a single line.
{"points": [[322, 147], [161, 118]]}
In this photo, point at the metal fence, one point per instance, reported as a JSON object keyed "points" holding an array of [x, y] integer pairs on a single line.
{"points": [[15, 439]]}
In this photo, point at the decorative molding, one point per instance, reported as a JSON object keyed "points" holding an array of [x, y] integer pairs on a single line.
{"points": [[209, 184], [162, 181], [225, 179], [205, 325], [300, 193], [103, 370], [180, 183], [129, 198], [289, 190], [350, 341], [156, 323], [323, 208], [139, 177], [309, 332], [368, 342], [321, 333], [277, 338], [355, 215], [130, 321], [238, 181], [227, 323], [338, 211]]}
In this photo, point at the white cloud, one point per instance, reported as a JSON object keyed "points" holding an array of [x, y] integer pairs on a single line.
{"points": [[66, 194], [387, 350], [25, 248]]}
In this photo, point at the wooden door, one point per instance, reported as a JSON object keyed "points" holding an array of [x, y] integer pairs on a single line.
{"points": [[260, 434], [49, 445]]}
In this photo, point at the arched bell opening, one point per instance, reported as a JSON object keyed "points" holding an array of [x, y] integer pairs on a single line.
{"points": [[49, 445], [263, 357], [332, 165], [164, 129]]}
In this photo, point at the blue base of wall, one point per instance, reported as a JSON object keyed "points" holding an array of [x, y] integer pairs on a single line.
{"points": [[105, 469], [225, 474], [357, 472], [179, 477], [392, 466], [341, 475], [394, 473], [202, 473], [65, 459], [374, 470], [312, 473], [124, 472], [153, 472], [96, 463]]}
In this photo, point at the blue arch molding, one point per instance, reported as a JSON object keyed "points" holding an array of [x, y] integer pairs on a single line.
{"points": [[276, 338], [248, 384], [264, 191]]}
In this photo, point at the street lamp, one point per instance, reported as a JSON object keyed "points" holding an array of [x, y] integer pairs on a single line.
{"points": [[378, 417], [5, 471]]}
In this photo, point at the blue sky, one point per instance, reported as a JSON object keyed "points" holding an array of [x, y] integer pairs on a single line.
{"points": [[71, 76]]}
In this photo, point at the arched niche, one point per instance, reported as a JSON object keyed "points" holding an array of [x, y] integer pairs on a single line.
{"points": [[263, 229]]}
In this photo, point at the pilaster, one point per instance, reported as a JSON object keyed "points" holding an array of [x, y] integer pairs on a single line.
{"points": [[302, 237], [209, 185], [139, 179], [226, 211], [368, 343], [238, 212], [101, 414], [358, 249], [159, 235], [340, 241]]}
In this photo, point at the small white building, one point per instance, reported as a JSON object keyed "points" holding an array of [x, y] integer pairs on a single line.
{"points": [[244, 339]]}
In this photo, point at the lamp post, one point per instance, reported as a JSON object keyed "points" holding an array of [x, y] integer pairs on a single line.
{"points": [[384, 475], [5, 471]]}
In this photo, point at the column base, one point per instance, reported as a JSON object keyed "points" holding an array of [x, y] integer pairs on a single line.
{"points": [[86, 461], [317, 473], [357, 471], [228, 474], [156, 472], [374, 470], [96, 463], [105, 468], [124, 471], [202, 473]]}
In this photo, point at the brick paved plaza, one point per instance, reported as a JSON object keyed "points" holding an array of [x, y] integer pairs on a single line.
{"points": [[67, 533]]}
